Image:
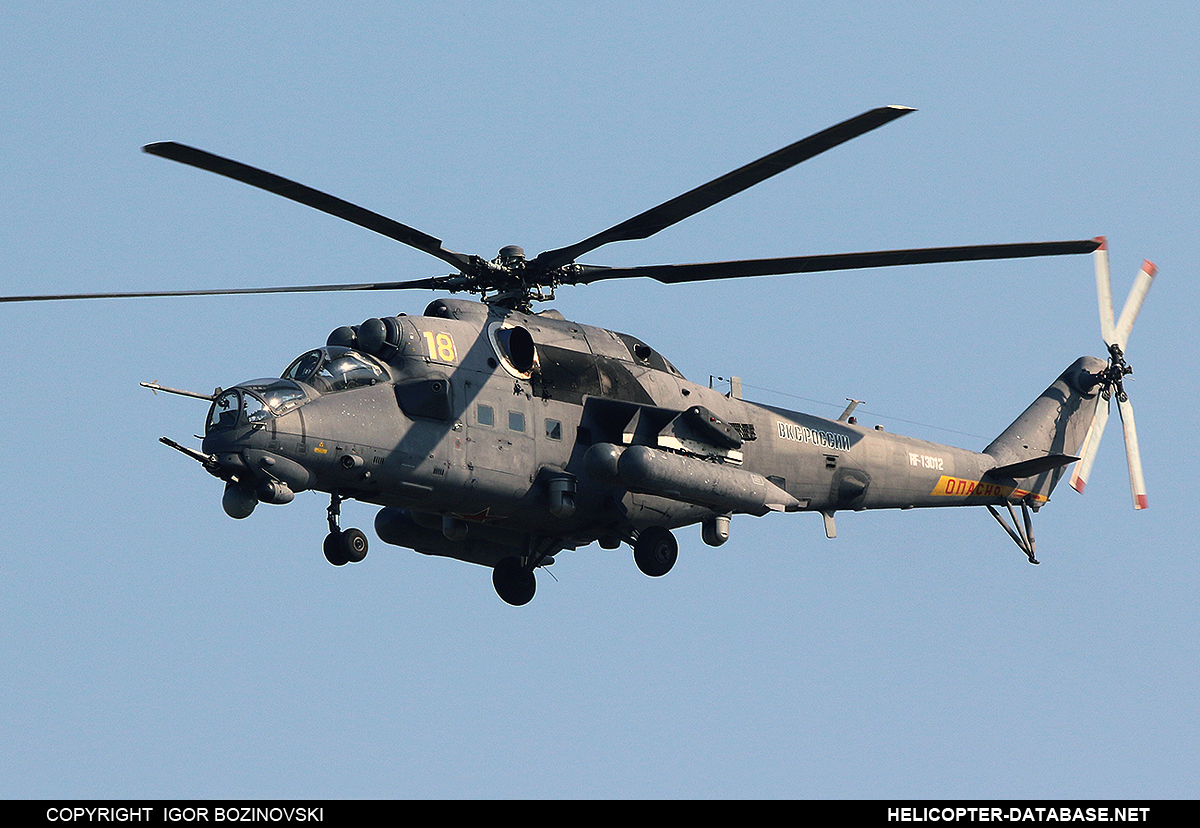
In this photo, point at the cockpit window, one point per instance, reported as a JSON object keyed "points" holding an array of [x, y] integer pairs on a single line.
{"points": [[280, 395], [254, 402], [335, 368], [256, 409], [238, 406], [305, 366], [225, 411]]}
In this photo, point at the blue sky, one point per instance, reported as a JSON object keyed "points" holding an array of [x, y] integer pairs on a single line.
{"points": [[155, 648]]}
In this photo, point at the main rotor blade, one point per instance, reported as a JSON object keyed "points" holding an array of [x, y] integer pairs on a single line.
{"points": [[672, 274], [1133, 303], [1137, 483], [437, 282], [1104, 292], [1091, 442], [309, 197], [692, 202]]}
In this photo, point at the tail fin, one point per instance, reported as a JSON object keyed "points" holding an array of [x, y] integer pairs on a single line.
{"points": [[1048, 435]]}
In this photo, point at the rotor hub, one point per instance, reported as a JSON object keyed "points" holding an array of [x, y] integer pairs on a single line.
{"points": [[511, 255], [1114, 376]]}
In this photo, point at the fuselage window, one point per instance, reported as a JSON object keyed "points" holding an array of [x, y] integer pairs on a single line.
{"points": [[516, 421], [485, 416], [553, 430]]}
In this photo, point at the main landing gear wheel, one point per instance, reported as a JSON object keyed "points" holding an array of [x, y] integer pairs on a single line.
{"points": [[513, 582], [655, 551], [349, 546], [342, 546]]}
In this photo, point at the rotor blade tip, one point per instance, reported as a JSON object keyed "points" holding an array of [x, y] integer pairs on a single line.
{"points": [[1150, 268], [160, 148], [1102, 241], [1078, 485], [902, 108], [1141, 502]]}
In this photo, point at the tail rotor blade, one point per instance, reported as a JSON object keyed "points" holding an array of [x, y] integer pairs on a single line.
{"points": [[1104, 292], [1137, 483], [1116, 337], [1091, 442], [1133, 304]]}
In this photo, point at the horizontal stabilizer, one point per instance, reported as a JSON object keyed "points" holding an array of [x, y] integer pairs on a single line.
{"points": [[1034, 466]]}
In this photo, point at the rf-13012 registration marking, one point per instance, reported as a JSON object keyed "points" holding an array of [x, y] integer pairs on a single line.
{"points": [[925, 461]]}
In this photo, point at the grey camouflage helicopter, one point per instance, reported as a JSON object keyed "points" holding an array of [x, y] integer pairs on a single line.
{"points": [[501, 436]]}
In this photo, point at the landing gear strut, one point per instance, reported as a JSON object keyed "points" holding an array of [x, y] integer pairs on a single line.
{"points": [[342, 547]]}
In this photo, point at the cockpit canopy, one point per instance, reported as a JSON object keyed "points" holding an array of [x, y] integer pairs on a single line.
{"points": [[253, 402], [334, 368], [324, 371]]}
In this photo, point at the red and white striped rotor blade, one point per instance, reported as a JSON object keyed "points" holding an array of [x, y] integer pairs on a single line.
{"points": [[1137, 483], [1133, 304], [1091, 442], [1104, 291]]}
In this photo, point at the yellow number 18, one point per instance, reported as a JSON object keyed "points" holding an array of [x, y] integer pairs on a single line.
{"points": [[441, 346]]}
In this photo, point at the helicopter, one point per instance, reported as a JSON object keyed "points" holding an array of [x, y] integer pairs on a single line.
{"points": [[499, 435]]}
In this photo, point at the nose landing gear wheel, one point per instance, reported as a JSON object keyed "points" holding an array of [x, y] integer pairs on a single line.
{"points": [[513, 582], [655, 551]]}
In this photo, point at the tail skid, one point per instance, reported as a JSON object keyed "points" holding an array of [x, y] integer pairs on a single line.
{"points": [[1022, 534]]}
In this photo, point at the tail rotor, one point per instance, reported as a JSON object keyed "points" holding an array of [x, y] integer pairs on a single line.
{"points": [[1111, 381]]}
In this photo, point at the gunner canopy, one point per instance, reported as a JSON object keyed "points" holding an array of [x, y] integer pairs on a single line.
{"points": [[253, 402]]}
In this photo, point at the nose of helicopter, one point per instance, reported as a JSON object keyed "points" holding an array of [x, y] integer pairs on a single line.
{"points": [[256, 476], [237, 439]]}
